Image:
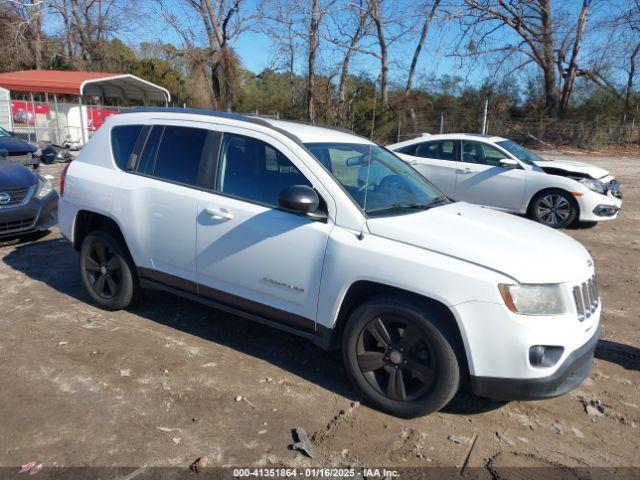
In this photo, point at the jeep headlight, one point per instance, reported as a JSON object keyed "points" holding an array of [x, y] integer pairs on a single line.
{"points": [[593, 184], [44, 187], [531, 299]]}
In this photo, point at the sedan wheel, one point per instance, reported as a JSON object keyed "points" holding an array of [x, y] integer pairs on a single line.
{"points": [[555, 209]]}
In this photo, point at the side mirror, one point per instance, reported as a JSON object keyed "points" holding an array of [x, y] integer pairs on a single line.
{"points": [[299, 199], [4, 153], [509, 163]]}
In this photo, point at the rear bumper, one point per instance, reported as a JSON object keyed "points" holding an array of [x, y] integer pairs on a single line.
{"points": [[567, 377]]}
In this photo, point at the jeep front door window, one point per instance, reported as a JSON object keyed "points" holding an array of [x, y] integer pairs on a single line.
{"points": [[377, 180]]}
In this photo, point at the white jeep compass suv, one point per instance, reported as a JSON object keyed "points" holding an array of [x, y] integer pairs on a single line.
{"points": [[327, 235]]}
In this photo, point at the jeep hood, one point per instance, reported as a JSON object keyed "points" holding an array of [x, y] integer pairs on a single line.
{"points": [[521, 249], [568, 167]]}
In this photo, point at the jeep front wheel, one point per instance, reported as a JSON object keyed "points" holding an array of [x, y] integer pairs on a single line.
{"points": [[402, 356]]}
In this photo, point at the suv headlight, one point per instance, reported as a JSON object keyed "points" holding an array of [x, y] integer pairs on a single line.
{"points": [[44, 188], [531, 299], [593, 184]]}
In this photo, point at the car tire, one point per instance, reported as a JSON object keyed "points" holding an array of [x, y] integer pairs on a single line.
{"points": [[554, 208], [107, 271], [403, 356]]}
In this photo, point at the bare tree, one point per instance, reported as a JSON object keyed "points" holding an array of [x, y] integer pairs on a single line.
{"points": [[280, 22], [88, 24], [22, 38], [314, 41], [536, 30], [376, 13], [359, 15], [222, 23], [423, 36]]}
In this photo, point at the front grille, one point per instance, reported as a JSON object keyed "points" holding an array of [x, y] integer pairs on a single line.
{"points": [[17, 196], [586, 297], [16, 225]]}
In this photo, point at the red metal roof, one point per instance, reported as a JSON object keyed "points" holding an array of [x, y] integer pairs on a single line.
{"points": [[50, 81]]}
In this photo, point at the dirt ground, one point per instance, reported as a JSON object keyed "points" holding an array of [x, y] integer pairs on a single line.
{"points": [[158, 385]]}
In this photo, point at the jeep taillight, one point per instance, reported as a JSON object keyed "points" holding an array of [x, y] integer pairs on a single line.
{"points": [[63, 178]]}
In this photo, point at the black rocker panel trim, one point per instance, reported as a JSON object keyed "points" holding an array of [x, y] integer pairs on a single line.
{"points": [[258, 312]]}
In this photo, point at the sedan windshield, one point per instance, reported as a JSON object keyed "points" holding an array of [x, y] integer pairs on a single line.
{"points": [[524, 154], [4, 133], [377, 180]]}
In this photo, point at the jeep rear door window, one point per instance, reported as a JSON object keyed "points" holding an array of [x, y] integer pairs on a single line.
{"points": [[123, 141], [375, 178], [174, 153], [253, 170]]}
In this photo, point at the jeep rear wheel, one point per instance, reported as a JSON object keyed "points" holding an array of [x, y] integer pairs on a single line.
{"points": [[106, 271], [402, 356]]}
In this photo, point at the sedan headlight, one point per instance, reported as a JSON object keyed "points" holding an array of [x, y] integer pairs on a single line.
{"points": [[530, 299], [44, 187], [593, 184]]}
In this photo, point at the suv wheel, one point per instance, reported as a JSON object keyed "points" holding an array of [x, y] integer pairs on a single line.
{"points": [[554, 208], [106, 271], [402, 356]]}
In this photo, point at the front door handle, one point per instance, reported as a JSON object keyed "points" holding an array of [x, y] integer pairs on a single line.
{"points": [[219, 213], [464, 171]]}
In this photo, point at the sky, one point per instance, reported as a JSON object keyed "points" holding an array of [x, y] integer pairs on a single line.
{"points": [[256, 49]]}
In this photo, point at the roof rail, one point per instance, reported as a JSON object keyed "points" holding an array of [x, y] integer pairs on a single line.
{"points": [[212, 113], [328, 127]]}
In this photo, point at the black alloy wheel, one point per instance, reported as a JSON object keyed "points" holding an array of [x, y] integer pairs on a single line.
{"points": [[405, 356], [103, 270], [108, 272], [396, 358]]}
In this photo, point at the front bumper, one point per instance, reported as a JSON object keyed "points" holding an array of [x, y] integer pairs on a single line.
{"points": [[36, 215], [596, 207], [569, 375]]}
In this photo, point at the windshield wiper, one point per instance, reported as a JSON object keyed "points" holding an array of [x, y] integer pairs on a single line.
{"points": [[402, 206], [441, 200]]}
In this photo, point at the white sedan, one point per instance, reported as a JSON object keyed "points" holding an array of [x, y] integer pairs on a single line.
{"points": [[499, 173]]}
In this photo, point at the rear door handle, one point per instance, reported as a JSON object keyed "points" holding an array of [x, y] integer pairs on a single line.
{"points": [[219, 213]]}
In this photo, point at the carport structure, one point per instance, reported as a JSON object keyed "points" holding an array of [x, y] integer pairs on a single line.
{"points": [[84, 86]]}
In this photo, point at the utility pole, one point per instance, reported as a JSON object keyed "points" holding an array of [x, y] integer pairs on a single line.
{"points": [[484, 117]]}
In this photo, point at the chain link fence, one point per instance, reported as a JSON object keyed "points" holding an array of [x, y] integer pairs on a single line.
{"points": [[64, 124], [548, 133]]}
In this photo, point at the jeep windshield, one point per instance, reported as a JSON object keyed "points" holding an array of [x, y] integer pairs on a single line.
{"points": [[378, 181], [524, 154]]}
